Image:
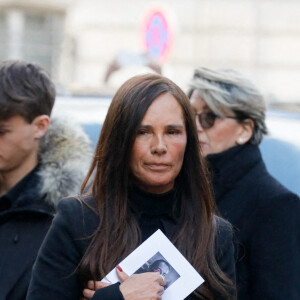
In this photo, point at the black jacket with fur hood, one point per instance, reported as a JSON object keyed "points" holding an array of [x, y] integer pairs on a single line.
{"points": [[64, 157]]}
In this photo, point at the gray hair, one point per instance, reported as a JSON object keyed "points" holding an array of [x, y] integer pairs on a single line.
{"points": [[228, 92]]}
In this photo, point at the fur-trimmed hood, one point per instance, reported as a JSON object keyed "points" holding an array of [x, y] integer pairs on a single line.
{"points": [[65, 155]]}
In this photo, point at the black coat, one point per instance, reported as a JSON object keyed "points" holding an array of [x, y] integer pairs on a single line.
{"points": [[266, 217], [23, 227], [26, 214], [54, 275]]}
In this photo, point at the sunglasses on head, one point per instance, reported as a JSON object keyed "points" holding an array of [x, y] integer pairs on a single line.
{"points": [[207, 119]]}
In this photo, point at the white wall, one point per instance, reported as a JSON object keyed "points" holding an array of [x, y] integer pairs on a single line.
{"points": [[261, 38]]}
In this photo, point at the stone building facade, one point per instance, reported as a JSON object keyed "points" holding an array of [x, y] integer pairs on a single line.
{"points": [[77, 39]]}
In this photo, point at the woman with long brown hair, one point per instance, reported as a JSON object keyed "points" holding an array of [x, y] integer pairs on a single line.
{"points": [[148, 174]]}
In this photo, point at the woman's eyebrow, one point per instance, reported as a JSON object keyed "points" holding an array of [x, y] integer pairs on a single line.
{"points": [[167, 126], [175, 126]]}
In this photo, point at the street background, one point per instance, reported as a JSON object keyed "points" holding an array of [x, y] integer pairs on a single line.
{"points": [[79, 41], [75, 40]]}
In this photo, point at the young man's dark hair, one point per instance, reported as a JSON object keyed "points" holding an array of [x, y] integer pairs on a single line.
{"points": [[25, 90], [39, 164]]}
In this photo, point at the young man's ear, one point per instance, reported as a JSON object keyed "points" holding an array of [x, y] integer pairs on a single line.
{"points": [[41, 124], [247, 132]]}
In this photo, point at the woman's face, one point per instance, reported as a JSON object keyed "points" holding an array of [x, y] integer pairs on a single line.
{"points": [[223, 135], [158, 151]]}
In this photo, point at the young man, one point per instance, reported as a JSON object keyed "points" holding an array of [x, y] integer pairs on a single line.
{"points": [[39, 164]]}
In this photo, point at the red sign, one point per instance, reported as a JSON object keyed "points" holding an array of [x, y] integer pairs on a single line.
{"points": [[157, 35]]}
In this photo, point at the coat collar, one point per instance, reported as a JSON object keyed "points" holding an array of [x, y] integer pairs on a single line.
{"points": [[25, 198], [231, 165]]}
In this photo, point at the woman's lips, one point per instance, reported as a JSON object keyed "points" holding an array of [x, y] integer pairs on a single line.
{"points": [[158, 167]]}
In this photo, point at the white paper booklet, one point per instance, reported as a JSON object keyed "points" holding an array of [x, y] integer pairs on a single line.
{"points": [[158, 253]]}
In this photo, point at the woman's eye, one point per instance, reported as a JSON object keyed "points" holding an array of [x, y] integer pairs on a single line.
{"points": [[142, 132], [3, 132], [174, 131]]}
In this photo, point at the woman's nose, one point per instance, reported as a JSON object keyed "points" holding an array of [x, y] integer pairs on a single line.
{"points": [[159, 146]]}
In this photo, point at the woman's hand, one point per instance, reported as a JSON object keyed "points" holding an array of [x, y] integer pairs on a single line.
{"points": [[135, 287], [143, 286], [93, 286]]}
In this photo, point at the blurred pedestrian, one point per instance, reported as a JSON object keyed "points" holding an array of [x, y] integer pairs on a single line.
{"points": [[149, 175], [125, 59], [38, 165], [230, 117]]}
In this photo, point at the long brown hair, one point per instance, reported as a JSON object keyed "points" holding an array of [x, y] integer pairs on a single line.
{"points": [[118, 232]]}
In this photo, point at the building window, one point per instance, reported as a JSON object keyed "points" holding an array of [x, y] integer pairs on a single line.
{"points": [[36, 37], [3, 35]]}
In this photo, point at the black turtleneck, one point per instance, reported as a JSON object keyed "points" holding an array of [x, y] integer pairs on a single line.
{"points": [[154, 211]]}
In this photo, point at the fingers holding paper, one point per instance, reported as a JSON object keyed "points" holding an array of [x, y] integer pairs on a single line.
{"points": [[143, 286], [93, 286]]}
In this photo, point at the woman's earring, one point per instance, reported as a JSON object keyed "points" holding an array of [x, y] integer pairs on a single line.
{"points": [[240, 141]]}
